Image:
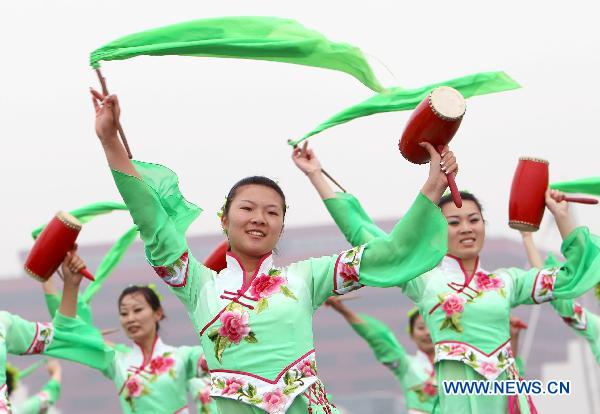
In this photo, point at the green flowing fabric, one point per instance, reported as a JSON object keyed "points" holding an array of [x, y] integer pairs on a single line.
{"points": [[398, 99], [243, 37], [24, 373], [109, 262], [589, 185], [87, 213]]}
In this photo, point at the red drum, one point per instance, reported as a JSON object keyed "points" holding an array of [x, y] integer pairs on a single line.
{"points": [[435, 120], [51, 247], [527, 194], [216, 260]]}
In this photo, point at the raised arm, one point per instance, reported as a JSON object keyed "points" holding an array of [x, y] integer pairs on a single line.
{"points": [[47, 397], [158, 208], [533, 255]]}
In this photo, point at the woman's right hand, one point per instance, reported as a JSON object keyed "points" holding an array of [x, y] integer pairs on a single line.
{"points": [[71, 268], [439, 166], [306, 160], [108, 112], [54, 369]]}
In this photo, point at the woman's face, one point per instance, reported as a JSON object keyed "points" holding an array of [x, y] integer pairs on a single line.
{"points": [[254, 221], [466, 229], [137, 318], [420, 336]]}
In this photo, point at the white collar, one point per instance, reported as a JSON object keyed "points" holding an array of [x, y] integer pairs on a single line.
{"points": [[159, 348], [453, 264], [423, 359], [232, 278]]}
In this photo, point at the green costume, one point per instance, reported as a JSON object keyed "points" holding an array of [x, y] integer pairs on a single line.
{"points": [[258, 336], [40, 402], [415, 373], [468, 315], [584, 322]]}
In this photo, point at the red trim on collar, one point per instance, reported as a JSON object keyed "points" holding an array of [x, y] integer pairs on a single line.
{"points": [[141, 367], [468, 278]]}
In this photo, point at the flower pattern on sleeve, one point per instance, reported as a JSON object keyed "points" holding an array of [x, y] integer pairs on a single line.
{"points": [[174, 275], [44, 333], [347, 271], [578, 321], [543, 287]]}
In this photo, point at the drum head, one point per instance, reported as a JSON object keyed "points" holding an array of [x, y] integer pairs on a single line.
{"points": [[447, 103], [69, 220]]}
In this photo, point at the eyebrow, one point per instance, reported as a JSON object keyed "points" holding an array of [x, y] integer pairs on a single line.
{"points": [[269, 205], [472, 214]]}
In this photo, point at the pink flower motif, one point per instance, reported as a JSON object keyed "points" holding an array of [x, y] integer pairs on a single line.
{"points": [[547, 282], [235, 326], [453, 304], [134, 386], [429, 389], [232, 386], [203, 364], [348, 273], [457, 349], [577, 310], [264, 286], [162, 271], [274, 401], [204, 396], [488, 368], [487, 282], [306, 368], [160, 365]]}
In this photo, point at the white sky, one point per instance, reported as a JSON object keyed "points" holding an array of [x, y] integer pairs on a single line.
{"points": [[214, 121]]}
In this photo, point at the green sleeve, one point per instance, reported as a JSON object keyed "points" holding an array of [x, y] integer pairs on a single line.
{"points": [[193, 358], [20, 335], [383, 343], [84, 310], [352, 220], [79, 342], [52, 303], [163, 215], [572, 279], [416, 245], [580, 319], [39, 403]]}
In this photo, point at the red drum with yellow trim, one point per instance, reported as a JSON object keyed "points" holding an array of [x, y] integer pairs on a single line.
{"points": [[52, 246], [527, 194], [216, 260], [435, 120]]}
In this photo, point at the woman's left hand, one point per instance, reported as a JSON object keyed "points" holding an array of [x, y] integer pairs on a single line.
{"points": [[555, 201], [439, 166]]}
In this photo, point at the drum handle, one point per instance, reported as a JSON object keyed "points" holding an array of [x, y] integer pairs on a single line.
{"points": [[452, 183], [581, 200], [86, 273]]}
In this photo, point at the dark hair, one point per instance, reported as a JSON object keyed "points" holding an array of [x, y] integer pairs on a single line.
{"points": [[447, 198], [150, 295], [254, 180], [11, 381], [411, 321]]}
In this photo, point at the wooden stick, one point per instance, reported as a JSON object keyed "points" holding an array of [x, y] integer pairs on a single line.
{"points": [[119, 127], [109, 331], [324, 172]]}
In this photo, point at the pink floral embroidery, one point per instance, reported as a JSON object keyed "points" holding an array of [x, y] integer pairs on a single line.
{"points": [[235, 326], [160, 365], [488, 369], [43, 338], [135, 386], [577, 309], [548, 282], [204, 396], [429, 389], [489, 282], [232, 386], [457, 349], [264, 285], [203, 364], [453, 304], [348, 273], [306, 368], [174, 275], [274, 401]]}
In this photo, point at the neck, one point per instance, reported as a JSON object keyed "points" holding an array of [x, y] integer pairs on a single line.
{"points": [[469, 264], [147, 345], [249, 263]]}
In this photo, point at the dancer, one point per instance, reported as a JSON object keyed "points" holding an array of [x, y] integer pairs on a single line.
{"points": [[415, 373], [580, 319], [254, 319], [150, 376], [465, 307], [43, 400]]}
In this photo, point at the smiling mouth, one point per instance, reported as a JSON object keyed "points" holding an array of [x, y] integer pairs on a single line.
{"points": [[469, 241], [255, 233]]}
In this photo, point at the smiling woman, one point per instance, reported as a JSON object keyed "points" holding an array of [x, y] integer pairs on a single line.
{"points": [[254, 319]]}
